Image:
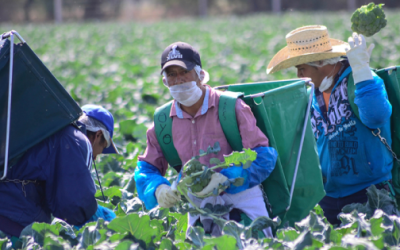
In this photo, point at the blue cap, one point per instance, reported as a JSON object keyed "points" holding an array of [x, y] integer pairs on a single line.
{"points": [[104, 116]]}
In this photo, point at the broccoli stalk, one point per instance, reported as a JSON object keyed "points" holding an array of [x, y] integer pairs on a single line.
{"points": [[368, 19]]}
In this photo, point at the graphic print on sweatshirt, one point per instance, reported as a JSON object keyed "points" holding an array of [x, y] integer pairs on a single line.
{"points": [[338, 129]]}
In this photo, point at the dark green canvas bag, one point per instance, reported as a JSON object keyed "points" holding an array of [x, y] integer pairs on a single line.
{"points": [[40, 106], [280, 109], [391, 78]]}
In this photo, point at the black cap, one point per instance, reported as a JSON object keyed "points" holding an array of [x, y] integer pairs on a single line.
{"points": [[180, 54]]}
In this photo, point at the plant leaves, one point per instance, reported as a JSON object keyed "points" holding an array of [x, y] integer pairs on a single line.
{"points": [[234, 229], [239, 158], [260, 224], [215, 161], [196, 235], [138, 226], [217, 210], [237, 182], [127, 245], [225, 242], [380, 199], [215, 149]]}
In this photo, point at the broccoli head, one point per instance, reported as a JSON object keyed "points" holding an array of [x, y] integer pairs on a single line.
{"points": [[368, 19]]}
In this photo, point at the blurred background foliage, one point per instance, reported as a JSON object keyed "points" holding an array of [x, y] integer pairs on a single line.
{"points": [[83, 10], [117, 64]]}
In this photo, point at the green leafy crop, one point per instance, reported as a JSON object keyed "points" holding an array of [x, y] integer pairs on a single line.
{"points": [[197, 175], [368, 19]]}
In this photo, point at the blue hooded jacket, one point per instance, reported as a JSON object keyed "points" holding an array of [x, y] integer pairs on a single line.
{"points": [[60, 166], [351, 157]]}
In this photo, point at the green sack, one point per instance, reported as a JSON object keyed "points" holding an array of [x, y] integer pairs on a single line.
{"points": [[391, 78], [280, 113], [40, 106]]}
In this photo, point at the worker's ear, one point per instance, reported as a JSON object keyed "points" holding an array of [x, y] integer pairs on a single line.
{"points": [[98, 135]]}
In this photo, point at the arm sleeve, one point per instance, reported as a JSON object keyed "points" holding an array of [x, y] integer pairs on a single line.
{"points": [[259, 170], [153, 154], [147, 179], [69, 187], [372, 102]]}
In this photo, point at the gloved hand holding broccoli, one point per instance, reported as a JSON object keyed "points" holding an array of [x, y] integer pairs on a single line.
{"points": [[368, 19], [202, 181]]}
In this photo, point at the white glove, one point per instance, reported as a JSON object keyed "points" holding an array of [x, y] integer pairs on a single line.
{"points": [[166, 197], [216, 180], [359, 56]]}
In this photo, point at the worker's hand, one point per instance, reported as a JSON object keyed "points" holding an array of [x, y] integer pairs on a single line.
{"points": [[166, 197], [216, 180], [105, 213], [359, 56]]}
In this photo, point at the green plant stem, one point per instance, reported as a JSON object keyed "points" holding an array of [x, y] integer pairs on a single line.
{"points": [[196, 207]]}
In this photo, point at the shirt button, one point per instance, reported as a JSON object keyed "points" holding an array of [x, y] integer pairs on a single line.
{"points": [[194, 142], [193, 121]]}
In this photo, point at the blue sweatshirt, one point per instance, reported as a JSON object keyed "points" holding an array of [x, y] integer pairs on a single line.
{"points": [[351, 157], [60, 165]]}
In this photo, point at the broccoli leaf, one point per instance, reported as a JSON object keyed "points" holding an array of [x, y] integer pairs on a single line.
{"points": [[239, 158]]}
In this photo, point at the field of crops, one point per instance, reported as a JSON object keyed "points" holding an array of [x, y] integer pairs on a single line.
{"points": [[117, 65]]}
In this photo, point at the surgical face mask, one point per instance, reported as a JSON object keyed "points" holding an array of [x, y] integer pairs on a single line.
{"points": [[326, 83], [187, 93]]}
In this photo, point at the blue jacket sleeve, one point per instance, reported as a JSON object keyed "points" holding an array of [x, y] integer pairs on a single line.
{"points": [[69, 187], [148, 178], [373, 104], [259, 170]]}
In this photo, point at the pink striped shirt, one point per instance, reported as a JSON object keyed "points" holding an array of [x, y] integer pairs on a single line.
{"points": [[190, 134]]}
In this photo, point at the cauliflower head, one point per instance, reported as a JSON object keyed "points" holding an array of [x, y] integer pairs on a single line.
{"points": [[368, 19]]}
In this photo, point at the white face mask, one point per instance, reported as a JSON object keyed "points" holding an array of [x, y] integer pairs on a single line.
{"points": [[187, 93], [326, 83]]}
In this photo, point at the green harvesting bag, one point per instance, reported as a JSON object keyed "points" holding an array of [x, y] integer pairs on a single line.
{"points": [[280, 109], [40, 106], [391, 78]]}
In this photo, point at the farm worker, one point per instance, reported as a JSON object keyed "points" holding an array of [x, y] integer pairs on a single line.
{"points": [[53, 177], [351, 157], [195, 126]]}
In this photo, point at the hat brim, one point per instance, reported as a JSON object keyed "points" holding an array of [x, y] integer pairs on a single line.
{"points": [[112, 149], [181, 63], [283, 60]]}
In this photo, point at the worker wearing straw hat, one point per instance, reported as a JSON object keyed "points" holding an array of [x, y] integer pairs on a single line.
{"points": [[351, 158]]}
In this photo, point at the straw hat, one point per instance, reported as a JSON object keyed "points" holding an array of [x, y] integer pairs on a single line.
{"points": [[304, 45]]}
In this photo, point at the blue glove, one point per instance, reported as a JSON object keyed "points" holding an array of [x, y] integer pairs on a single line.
{"points": [[259, 170], [148, 178], [102, 212]]}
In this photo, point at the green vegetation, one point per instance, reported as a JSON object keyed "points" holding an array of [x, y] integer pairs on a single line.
{"points": [[117, 65], [368, 19]]}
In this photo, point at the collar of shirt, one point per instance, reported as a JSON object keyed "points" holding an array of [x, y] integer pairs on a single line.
{"points": [[209, 101]]}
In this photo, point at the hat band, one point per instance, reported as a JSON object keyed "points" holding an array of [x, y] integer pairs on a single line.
{"points": [[322, 46]]}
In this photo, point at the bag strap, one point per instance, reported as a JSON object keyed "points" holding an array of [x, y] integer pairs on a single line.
{"points": [[163, 130], [227, 118], [351, 88]]}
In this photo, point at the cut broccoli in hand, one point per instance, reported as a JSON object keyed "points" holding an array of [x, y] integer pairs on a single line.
{"points": [[368, 19]]}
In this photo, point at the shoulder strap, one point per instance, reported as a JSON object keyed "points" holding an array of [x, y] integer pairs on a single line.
{"points": [[351, 88], [227, 118], [163, 130]]}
